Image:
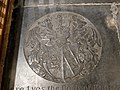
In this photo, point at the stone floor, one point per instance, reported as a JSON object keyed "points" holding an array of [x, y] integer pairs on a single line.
{"points": [[99, 12]]}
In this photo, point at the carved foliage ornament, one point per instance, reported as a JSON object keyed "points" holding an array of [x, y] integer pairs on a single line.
{"points": [[62, 47]]}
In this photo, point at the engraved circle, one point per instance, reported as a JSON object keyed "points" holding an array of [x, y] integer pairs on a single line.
{"points": [[62, 47]]}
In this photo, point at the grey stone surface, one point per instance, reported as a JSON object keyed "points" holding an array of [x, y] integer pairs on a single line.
{"points": [[105, 75], [37, 2]]}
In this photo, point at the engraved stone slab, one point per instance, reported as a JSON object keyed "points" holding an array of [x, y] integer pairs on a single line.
{"points": [[62, 47], [69, 47]]}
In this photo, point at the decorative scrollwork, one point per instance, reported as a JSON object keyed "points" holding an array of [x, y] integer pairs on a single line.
{"points": [[62, 46]]}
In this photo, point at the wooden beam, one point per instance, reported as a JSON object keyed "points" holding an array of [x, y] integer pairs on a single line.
{"points": [[6, 8]]}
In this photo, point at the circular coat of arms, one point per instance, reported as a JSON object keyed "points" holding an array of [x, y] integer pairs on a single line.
{"points": [[62, 47]]}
